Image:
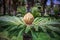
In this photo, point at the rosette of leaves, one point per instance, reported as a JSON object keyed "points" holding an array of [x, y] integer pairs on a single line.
{"points": [[41, 28]]}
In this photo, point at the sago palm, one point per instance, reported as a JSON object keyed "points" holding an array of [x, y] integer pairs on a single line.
{"points": [[40, 29]]}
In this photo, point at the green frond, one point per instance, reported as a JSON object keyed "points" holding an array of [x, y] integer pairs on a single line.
{"points": [[40, 36], [46, 23], [16, 27], [11, 20], [34, 36], [54, 28], [14, 38], [20, 35], [5, 35], [28, 28]]}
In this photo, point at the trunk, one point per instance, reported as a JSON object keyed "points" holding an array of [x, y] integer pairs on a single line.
{"points": [[51, 10], [23, 3], [52, 3], [27, 37], [15, 6], [59, 7], [9, 7], [4, 8], [43, 4], [0, 6], [29, 4]]}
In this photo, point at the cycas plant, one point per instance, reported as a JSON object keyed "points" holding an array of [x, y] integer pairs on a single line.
{"points": [[40, 29]]}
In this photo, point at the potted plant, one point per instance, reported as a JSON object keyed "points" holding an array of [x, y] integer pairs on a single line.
{"points": [[29, 28]]}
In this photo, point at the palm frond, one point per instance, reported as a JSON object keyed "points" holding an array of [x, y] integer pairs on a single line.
{"points": [[46, 23], [28, 28], [13, 19], [40, 36], [20, 35]]}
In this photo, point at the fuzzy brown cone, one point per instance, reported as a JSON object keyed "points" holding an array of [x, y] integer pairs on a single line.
{"points": [[28, 18]]}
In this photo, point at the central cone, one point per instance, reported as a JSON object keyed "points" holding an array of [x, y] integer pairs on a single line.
{"points": [[28, 18]]}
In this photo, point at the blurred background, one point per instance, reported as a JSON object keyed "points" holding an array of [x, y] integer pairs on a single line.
{"points": [[36, 7]]}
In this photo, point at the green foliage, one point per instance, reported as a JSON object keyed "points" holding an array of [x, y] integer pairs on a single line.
{"points": [[35, 12], [40, 36], [41, 28], [22, 10], [56, 10]]}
